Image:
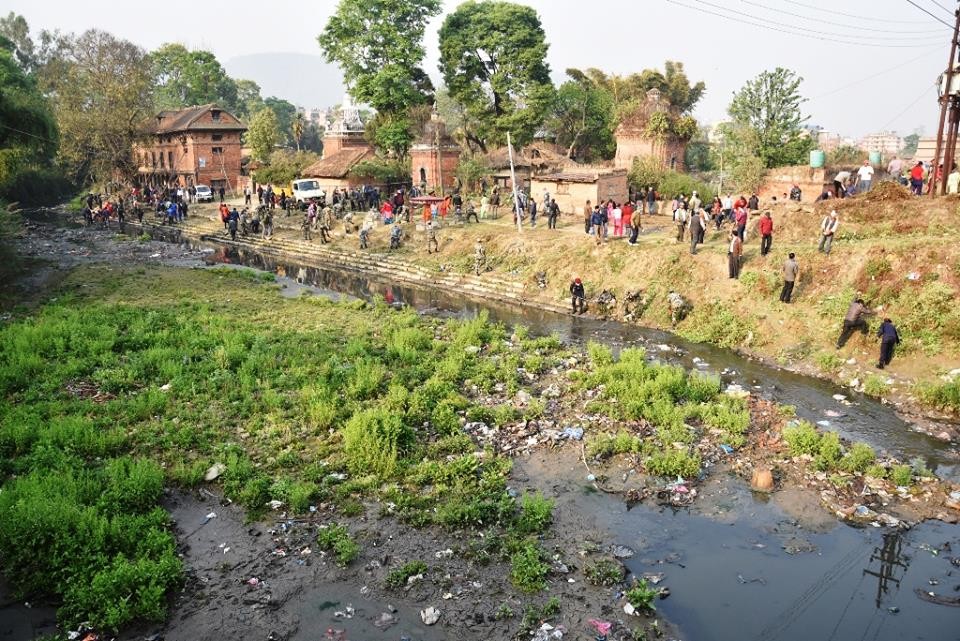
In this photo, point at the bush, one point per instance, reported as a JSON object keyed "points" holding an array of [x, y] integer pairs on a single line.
{"points": [[641, 596], [673, 463], [802, 438], [336, 538], [605, 572], [285, 167], [373, 440], [858, 459], [829, 452], [901, 475], [528, 572], [536, 513], [398, 578]]}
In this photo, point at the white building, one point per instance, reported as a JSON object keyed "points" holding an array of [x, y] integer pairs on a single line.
{"points": [[887, 143]]}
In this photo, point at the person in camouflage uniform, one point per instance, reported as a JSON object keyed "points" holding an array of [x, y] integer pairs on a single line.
{"points": [[432, 244], [325, 218], [479, 257], [305, 227]]}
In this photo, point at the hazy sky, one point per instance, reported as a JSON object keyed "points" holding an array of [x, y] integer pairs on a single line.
{"points": [[867, 65]]}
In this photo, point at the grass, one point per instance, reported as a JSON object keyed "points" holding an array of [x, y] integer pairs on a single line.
{"points": [[132, 379], [605, 572], [398, 577]]}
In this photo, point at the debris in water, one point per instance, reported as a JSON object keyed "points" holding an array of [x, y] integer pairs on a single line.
{"points": [[823, 423], [652, 578], [746, 581], [430, 615], [839, 397], [621, 552]]}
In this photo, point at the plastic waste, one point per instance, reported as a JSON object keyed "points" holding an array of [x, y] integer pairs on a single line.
{"points": [[602, 627], [547, 632], [430, 615], [726, 449], [573, 433]]}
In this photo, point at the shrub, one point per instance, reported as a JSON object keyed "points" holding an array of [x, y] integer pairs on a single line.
{"points": [[528, 572], [901, 475], [641, 596], [876, 471], [600, 354], [673, 463], [858, 459], [373, 440], [536, 513], [875, 385], [398, 578], [802, 438], [605, 572], [336, 538], [606, 445], [829, 452]]}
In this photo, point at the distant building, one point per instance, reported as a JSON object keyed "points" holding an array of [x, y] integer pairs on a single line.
{"points": [[345, 132], [193, 146], [572, 188], [434, 157], [887, 143], [633, 140]]}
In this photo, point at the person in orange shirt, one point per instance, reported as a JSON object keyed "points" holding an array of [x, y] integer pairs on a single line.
{"points": [[426, 213], [445, 207]]}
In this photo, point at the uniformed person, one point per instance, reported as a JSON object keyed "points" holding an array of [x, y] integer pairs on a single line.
{"points": [[325, 220], [305, 227], [432, 245], [479, 257]]}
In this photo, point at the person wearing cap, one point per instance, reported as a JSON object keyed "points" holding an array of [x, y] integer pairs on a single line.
{"points": [[828, 228], [578, 297], [888, 340]]}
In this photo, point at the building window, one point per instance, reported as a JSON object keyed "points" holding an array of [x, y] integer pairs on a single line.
{"points": [[217, 150], [161, 159], [563, 188], [215, 114], [153, 159], [217, 137], [170, 159], [423, 176]]}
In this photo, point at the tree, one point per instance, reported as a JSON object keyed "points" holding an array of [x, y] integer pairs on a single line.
{"points": [[297, 128], [14, 28], [312, 139], [910, 144], [493, 60], [263, 133], [185, 78], [379, 46], [285, 113], [582, 120], [627, 91], [249, 100], [769, 105], [102, 93]]}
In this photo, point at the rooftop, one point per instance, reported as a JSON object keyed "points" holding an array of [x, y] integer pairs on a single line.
{"points": [[188, 119]]}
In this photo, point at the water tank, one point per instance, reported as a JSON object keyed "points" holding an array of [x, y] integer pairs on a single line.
{"points": [[874, 158], [817, 158]]}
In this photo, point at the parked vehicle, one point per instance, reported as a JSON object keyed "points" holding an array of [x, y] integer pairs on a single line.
{"points": [[204, 194], [306, 188]]}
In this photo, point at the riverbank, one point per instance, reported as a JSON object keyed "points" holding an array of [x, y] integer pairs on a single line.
{"points": [[519, 408]]}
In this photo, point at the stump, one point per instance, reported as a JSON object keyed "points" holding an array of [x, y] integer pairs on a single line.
{"points": [[762, 480]]}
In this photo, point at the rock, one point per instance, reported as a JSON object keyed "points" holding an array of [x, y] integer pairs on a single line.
{"points": [[629, 609], [621, 552], [430, 615], [214, 471], [552, 391], [471, 349], [736, 391], [523, 398], [762, 480]]}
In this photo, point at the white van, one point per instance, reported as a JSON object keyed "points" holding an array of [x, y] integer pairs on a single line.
{"points": [[306, 188]]}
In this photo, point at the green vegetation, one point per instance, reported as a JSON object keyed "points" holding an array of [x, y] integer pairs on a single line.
{"points": [[680, 405], [398, 578], [605, 572], [337, 539], [641, 596], [305, 401]]}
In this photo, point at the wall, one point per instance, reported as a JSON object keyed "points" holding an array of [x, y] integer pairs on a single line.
{"points": [[782, 179], [335, 143], [669, 152], [426, 158], [187, 158]]}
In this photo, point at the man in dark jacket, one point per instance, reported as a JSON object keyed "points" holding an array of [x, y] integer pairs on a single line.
{"points": [[578, 298], [854, 321], [888, 340]]}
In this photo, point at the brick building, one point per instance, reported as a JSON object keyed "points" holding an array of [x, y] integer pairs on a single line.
{"points": [[193, 146], [633, 140], [434, 157]]}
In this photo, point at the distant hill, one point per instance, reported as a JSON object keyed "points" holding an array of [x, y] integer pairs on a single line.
{"points": [[303, 79]]}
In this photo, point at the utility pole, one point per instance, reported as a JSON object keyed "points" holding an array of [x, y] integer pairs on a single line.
{"points": [[513, 179], [947, 102]]}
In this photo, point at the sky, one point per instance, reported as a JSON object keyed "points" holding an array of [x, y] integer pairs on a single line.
{"points": [[867, 66]]}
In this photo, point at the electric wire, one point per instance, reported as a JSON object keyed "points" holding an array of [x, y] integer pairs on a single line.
{"points": [[937, 18], [919, 34], [922, 95], [742, 21], [832, 12], [877, 74], [942, 7]]}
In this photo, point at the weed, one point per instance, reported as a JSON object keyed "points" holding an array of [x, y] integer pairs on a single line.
{"points": [[605, 572], [802, 438], [536, 513], [673, 463], [829, 452], [919, 467], [373, 440], [528, 572], [901, 475], [876, 471], [504, 612], [605, 445], [875, 385], [398, 578], [641, 596], [336, 538], [859, 458], [828, 362]]}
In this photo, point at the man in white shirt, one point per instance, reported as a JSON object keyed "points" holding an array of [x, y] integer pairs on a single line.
{"points": [[865, 176], [953, 181]]}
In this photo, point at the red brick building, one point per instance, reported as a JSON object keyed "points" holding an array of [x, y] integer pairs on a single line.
{"points": [[193, 146], [434, 158]]}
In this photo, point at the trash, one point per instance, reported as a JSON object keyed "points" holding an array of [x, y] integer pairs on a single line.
{"points": [[591, 478], [652, 578], [839, 397], [275, 504], [385, 620], [893, 609], [823, 423], [663, 593], [762, 480], [833, 413], [214, 471], [888, 520], [621, 552], [863, 512], [206, 519], [165, 387], [913, 276], [573, 433], [726, 449], [447, 596], [346, 613], [443, 554], [430, 615], [629, 609], [746, 581], [337, 476], [547, 632], [254, 581]]}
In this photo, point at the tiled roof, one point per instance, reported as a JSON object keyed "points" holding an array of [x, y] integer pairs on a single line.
{"points": [[339, 164], [185, 120]]}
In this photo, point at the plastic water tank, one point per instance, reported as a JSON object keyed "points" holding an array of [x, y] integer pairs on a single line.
{"points": [[817, 158], [875, 158]]}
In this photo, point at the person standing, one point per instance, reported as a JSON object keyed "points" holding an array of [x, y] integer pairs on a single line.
{"points": [[888, 340], [587, 218], [533, 212], [596, 224], [617, 215], [695, 229], [553, 213], [734, 254], [766, 233], [695, 203], [828, 228], [222, 192], [680, 218], [854, 321], [479, 257], [795, 193], [634, 228], [247, 195], [741, 219], [953, 180], [865, 177], [754, 203], [791, 272], [432, 244], [651, 201], [577, 296], [704, 218], [916, 178], [895, 168], [627, 215]]}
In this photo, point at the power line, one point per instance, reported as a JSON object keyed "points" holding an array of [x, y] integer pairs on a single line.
{"points": [[909, 107], [832, 12], [839, 24], [937, 18], [815, 35], [942, 7], [879, 73]]}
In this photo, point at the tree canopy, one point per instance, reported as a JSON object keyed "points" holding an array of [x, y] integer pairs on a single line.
{"points": [[185, 78], [493, 60], [627, 91], [378, 44], [263, 133], [582, 120], [769, 107]]}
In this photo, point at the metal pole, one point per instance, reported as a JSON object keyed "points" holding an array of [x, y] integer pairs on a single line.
{"points": [[513, 179], [951, 149], [944, 101], [439, 160]]}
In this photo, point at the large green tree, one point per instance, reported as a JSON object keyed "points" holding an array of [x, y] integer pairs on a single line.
{"points": [[768, 108], [102, 92], [379, 46], [493, 60], [582, 120], [249, 100], [627, 91], [285, 113], [263, 134], [185, 78]]}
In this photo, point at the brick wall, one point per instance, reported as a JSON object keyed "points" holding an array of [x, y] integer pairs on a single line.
{"points": [[426, 164], [669, 152]]}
